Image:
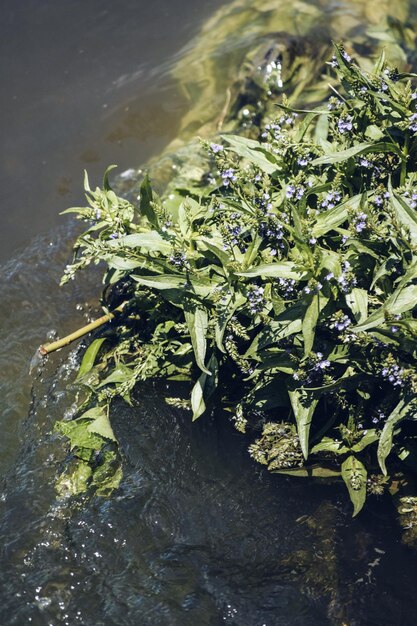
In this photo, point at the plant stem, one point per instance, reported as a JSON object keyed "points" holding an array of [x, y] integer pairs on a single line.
{"points": [[65, 341], [404, 161]]}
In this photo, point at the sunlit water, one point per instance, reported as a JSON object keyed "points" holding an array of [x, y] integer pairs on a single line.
{"points": [[197, 533]]}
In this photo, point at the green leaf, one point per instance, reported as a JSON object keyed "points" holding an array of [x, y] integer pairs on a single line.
{"points": [[331, 219], [150, 240], [75, 480], [327, 444], [368, 438], [224, 315], [215, 247], [279, 269], [107, 476], [184, 284], [406, 216], [402, 300], [401, 412], [125, 265], [146, 199], [78, 434], [252, 151], [312, 471], [101, 426], [120, 374], [197, 322], [357, 301], [303, 407], [361, 148], [204, 388], [309, 323], [355, 475], [106, 183], [90, 356]]}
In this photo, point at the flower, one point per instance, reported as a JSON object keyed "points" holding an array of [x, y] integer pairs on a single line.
{"points": [[216, 147], [345, 124], [227, 176]]}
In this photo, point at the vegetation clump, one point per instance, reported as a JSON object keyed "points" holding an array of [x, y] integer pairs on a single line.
{"points": [[283, 285]]}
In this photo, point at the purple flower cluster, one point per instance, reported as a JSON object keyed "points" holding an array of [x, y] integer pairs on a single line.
{"points": [[256, 299], [273, 130], [272, 232], [379, 200], [359, 222], [295, 192], [216, 147], [287, 288], [340, 322], [379, 417], [411, 198], [346, 279], [321, 363], [302, 161], [178, 259], [228, 176], [332, 198], [334, 103], [413, 123], [393, 374], [345, 125], [264, 203], [233, 229]]}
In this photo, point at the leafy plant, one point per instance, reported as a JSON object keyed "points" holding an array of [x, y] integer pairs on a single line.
{"points": [[283, 285]]}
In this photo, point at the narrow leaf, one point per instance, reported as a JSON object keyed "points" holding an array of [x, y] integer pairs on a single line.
{"points": [[354, 474], [197, 322], [90, 356], [303, 407]]}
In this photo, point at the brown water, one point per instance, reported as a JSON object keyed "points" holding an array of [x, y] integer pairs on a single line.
{"points": [[197, 534]]}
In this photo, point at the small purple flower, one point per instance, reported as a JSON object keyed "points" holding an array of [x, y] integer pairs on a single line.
{"points": [[227, 176], [114, 235], [256, 299], [413, 123], [216, 147], [290, 191], [360, 222], [345, 124]]}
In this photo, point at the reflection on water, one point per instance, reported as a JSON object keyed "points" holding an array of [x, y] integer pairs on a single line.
{"points": [[73, 74], [197, 534]]}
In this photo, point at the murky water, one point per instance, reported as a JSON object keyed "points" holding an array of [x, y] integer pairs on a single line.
{"points": [[197, 534], [83, 84]]}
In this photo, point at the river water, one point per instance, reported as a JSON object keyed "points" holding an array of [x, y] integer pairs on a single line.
{"points": [[196, 534]]}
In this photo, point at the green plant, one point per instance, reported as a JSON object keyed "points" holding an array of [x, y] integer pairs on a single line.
{"points": [[283, 286]]}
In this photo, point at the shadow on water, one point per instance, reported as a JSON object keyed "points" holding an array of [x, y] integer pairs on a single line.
{"points": [[196, 534]]}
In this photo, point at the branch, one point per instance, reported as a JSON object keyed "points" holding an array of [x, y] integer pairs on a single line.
{"points": [[65, 341]]}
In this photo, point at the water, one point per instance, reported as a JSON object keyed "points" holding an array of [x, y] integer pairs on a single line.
{"points": [[84, 84], [197, 533]]}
